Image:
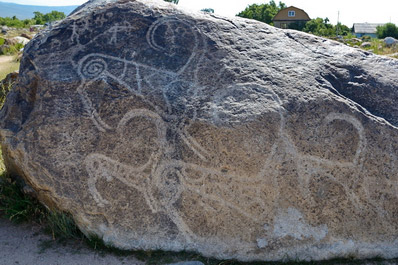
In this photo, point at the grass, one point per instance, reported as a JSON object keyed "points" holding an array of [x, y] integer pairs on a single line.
{"points": [[19, 207], [4, 89], [11, 49], [16, 32], [377, 46]]}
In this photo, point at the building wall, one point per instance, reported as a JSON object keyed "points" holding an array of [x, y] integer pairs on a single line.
{"points": [[284, 24], [284, 14], [359, 35]]}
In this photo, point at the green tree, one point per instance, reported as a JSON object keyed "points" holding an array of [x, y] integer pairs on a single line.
{"points": [[342, 29], [53, 16], [38, 18], [388, 30], [172, 1], [320, 27], [11, 22], [207, 10], [264, 12], [28, 22]]}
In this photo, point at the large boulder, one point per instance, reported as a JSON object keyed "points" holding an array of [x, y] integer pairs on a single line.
{"points": [[390, 41], [161, 129]]}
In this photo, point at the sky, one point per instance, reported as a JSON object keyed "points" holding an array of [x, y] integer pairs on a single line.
{"points": [[351, 11]]}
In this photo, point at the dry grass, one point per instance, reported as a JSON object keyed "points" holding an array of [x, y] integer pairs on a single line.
{"points": [[8, 64], [16, 32]]}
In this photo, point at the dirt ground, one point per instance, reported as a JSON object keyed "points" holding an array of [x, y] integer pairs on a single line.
{"points": [[26, 244], [7, 65], [5, 59]]}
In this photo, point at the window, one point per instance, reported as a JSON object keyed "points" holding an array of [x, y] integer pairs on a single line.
{"points": [[291, 13]]}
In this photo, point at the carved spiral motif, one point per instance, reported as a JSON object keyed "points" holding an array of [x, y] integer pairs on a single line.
{"points": [[94, 68]]}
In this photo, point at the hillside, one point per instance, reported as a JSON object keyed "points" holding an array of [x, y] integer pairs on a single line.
{"points": [[26, 11]]}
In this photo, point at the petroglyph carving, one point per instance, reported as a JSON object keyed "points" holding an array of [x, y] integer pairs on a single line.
{"points": [[310, 166], [165, 178], [162, 179], [168, 34], [94, 68], [115, 29]]}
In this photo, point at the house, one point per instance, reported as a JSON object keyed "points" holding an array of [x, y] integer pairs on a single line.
{"points": [[290, 15], [366, 29]]}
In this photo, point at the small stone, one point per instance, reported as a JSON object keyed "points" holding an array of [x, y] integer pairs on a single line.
{"points": [[366, 45], [26, 36], [356, 40]]}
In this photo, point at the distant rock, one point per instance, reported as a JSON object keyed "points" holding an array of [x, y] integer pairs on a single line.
{"points": [[393, 55], [15, 40], [390, 41], [26, 36], [366, 45], [356, 41], [4, 30], [162, 129]]}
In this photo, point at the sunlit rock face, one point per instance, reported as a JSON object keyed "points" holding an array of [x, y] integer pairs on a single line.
{"points": [[162, 129]]}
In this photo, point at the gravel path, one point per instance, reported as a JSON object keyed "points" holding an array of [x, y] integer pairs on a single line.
{"points": [[5, 59], [26, 244]]}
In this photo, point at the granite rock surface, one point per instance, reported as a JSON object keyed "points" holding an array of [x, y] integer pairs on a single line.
{"points": [[157, 128]]}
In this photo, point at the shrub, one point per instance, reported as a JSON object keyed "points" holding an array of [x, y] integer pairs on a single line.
{"points": [[4, 89], [388, 30], [366, 38], [17, 206], [13, 22], [39, 18], [11, 49], [262, 12]]}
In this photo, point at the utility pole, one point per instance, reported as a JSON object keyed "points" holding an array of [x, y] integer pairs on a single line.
{"points": [[338, 22]]}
